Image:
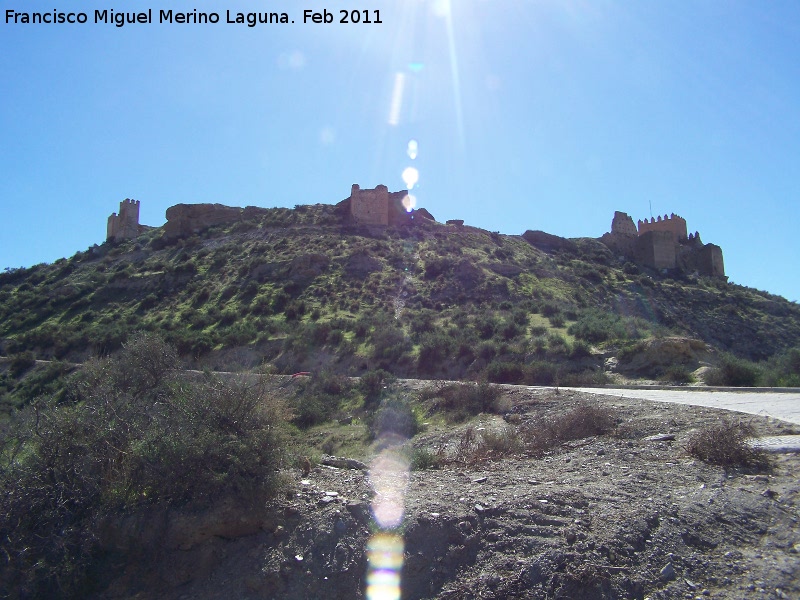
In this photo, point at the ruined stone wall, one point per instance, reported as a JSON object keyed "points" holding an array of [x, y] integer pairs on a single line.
{"points": [[125, 225], [673, 224], [656, 249], [187, 219], [622, 245], [623, 224], [370, 207]]}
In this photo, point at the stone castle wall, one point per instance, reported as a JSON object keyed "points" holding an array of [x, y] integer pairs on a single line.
{"points": [[380, 207], [674, 224], [710, 261], [370, 207], [125, 225], [656, 249], [663, 243]]}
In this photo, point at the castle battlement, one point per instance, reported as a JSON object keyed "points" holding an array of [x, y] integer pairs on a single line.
{"points": [[674, 224], [125, 225], [663, 243]]}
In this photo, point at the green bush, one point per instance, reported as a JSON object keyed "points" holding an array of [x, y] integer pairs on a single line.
{"points": [[735, 372], [595, 326], [437, 266], [131, 433], [504, 372], [20, 363], [541, 373], [435, 348], [585, 378], [485, 326], [390, 345], [677, 374], [510, 330], [459, 401], [580, 349], [782, 370], [372, 385], [44, 380], [557, 345], [423, 459], [318, 398], [538, 331], [394, 417]]}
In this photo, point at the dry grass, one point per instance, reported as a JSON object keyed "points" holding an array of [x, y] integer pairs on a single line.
{"points": [[480, 445], [585, 420]]}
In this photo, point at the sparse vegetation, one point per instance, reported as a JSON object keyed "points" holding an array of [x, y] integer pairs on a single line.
{"points": [[474, 305], [726, 445], [459, 401], [581, 422]]}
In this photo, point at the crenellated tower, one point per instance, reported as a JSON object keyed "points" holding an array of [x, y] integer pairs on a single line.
{"points": [[125, 225]]}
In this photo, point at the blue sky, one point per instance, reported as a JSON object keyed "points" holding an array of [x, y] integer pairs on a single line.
{"points": [[544, 115]]}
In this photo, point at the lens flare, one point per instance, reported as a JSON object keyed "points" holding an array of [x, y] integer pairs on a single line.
{"points": [[385, 555], [413, 149], [410, 177], [441, 8], [409, 202], [397, 99], [389, 476]]}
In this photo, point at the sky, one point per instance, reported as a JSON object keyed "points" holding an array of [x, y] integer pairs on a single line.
{"points": [[523, 114]]}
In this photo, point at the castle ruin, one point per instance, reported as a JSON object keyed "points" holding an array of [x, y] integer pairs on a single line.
{"points": [[382, 208], [663, 243], [125, 225]]}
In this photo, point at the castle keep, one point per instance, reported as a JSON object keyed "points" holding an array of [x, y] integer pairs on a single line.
{"points": [[663, 243], [125, 225]]}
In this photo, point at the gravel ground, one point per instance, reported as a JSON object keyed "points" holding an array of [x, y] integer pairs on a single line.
{"points": [[626, 515]]}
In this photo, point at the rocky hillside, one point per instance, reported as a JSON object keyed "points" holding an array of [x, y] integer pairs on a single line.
{"points": [[304, 289]]}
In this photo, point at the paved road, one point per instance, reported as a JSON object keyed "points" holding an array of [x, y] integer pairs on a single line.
{"points": [[784, 406]]}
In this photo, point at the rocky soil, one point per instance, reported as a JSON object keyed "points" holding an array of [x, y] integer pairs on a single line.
{"points": [[625, 515]]}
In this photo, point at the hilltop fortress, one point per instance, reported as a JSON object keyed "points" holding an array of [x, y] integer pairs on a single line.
{"points": [[381, 207], [125, 225], [663, 243], [660, 243]]}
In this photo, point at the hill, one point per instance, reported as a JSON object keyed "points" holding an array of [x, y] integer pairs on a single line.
{"points": [[133, 477], [309, 288]]}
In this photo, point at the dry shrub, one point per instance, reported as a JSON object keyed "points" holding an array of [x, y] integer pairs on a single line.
{"points": [[725, 444], [492, 443], [585, 420]]}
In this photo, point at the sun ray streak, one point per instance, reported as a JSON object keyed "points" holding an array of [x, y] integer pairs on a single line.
{"points": [[454, 72]]}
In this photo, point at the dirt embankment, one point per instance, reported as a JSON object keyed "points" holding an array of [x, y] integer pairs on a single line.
{"points": [[617, 516]]}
